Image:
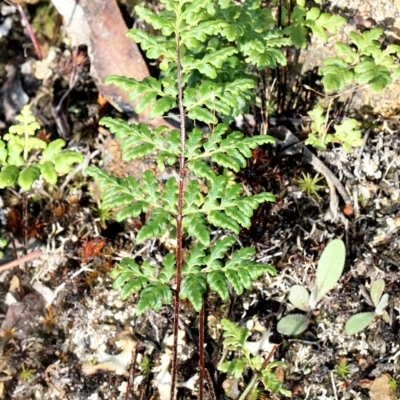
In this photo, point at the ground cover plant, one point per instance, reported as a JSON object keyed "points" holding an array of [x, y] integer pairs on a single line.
{"points": [[218, 231]]}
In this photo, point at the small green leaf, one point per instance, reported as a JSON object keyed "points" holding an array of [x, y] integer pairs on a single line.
{"points": [[8, 176], [300, 297], [28, 176], [197, 228], [168, 270], [234, 367], [377, 288], [346, 52], [384, 301], [358, 322], [48, 172], [65, 159], [293, 324], [53, 149], [235, 336], [330, 268]]}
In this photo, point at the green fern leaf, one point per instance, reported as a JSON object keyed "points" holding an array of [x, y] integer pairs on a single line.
{"points": [[195, 259], [217, 282], [162, 106], [65, 159], [28, 176], [154, 46], [156, 226], [197, 228], [146, 101], [193, 144], [202, 170], [153, 297], [234, 367], [193, 288], [170, 197], [150, 187], [137, 152], [128, 277], [238, 216], [218, 251], [221, 220], [203, 115], [169, 269], [224, 160], [367, 41], [346, 52], [192, 197], [164, 21], [48, 172], [235, 281], [8, 176], [132, 211], [235, 337], [377, 77]]}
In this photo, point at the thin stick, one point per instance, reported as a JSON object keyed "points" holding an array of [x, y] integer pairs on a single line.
{"points": [[18, 261], [201, 353], [21, 288], [179, 217], [210, 385], [28, 28], [132, 371]]}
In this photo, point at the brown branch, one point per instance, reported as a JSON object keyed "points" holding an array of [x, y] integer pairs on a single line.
{"points": [[21, 260], [201, 353], [179, 217], [28, 28]]}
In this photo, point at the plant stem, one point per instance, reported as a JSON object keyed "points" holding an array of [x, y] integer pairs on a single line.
{"points": [[257, 374], [132, 371], [201, 353], [179, 214], [28, 28], [25, 221]]}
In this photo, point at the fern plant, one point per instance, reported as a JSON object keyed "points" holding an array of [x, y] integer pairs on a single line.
{"points": [[206, 50], [235, 339], [19, 150], [24, 158]]}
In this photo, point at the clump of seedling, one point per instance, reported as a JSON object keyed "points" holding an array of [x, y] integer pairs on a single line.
{"points": [[329, 271], [360, 321]]}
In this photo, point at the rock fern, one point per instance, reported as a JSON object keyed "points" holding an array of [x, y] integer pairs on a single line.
{"points": [[207, 59]]}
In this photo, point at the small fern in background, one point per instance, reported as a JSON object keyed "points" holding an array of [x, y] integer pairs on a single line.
{"points": [[25, 158], [19, 151]]}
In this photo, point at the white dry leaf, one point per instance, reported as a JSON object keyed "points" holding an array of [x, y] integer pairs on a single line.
{"points": [[43, 69], [370, 165], [261, 345], [118, 363], [162, 381], [169, 340], [6, 26]]}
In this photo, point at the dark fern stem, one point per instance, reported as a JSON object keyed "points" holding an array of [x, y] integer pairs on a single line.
{"points": [[201, 353], [178, 220]]}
